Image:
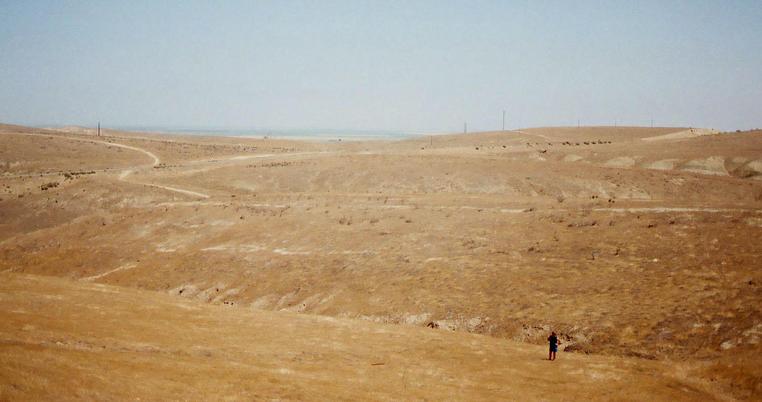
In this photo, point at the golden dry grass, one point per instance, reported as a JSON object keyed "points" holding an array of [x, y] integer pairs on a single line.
{"points": [[627, 247], [64, 340]]}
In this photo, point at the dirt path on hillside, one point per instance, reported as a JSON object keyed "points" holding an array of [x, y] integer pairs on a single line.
{"points": [[533, 134], [153, 156], [123, 176], [528, 209], [127, 172]]}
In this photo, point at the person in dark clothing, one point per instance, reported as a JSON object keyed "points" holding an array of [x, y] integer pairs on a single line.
{"points": [[553, 342]]}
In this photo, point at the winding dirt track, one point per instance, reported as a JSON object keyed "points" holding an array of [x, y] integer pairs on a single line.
{"points": [[156, 161], [153, 156], [123, 176], [127, 172]]}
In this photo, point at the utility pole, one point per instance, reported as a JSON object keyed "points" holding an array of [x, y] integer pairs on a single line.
{"points": [[465, 128], [99, 129], [503, 120], [652, 122], [577, 123]]}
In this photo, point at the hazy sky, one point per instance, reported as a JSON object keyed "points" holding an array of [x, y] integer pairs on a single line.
{"points": [[409, 65]]}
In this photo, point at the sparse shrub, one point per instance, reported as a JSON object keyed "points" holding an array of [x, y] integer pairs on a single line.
{"points": [[46, 186]]}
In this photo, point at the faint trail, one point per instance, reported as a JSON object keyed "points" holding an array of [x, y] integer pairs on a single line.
{"points": [[101, 275], [178, 190], [216, 204], [155, 158], [501, 210], [123, 177], [685, 134], [532, 134], [674, 209], [127, 172], [254, 156]]}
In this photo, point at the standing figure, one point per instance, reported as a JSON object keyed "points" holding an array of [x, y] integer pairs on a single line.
{"points": [[553, 343]]}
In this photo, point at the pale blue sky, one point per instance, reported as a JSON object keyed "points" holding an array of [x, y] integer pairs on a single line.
{"points": [[408, 65]]}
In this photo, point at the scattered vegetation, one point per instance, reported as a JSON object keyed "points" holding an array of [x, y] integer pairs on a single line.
{"points": [[46, 186], [73, 175]]}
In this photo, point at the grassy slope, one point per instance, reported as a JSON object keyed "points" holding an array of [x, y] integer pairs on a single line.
{"points": [[62, 339]]}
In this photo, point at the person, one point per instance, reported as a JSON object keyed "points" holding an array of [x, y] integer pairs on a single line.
{"points": [[553, 343]]}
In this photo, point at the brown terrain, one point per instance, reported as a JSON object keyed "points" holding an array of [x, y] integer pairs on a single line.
{"points": [[154, 266]]}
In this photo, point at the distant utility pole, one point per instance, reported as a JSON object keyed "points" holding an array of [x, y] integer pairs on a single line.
{"points": [[577, 123], [99, 129], [503, 120], [614, 123], [652, 122], [465, 128]]}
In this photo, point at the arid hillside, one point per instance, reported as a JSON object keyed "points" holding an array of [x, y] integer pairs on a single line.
{"points": [[637, 245], [67, 340]]}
